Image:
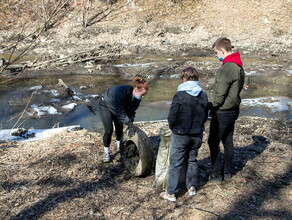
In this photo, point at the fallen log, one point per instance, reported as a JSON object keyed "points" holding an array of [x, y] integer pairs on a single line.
{"points": [[79, 58]]}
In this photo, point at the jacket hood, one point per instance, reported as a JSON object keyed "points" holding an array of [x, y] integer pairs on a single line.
{"points": [[233, 58], [191, 87]]}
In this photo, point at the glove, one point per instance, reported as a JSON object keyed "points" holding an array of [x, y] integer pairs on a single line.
{"points": [[132, 129]]}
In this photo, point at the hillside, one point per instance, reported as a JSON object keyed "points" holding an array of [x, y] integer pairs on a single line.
{"points": [[131, 28]]}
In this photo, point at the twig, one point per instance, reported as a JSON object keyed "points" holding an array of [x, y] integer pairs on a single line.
{"points": [[24, 109], [44, 10], [200, 209], [23, 122], [13, 117]]}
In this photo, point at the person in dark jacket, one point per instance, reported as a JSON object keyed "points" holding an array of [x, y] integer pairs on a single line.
{"points": [[118, 105], [187, 115], [224, 105]]}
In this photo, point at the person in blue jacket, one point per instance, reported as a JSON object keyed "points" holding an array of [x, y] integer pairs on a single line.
{"points": [[187, 115], [118, 105]]}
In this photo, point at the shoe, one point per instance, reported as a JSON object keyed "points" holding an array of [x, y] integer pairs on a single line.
{"points": [[192, 191], [215, 179], [106, 157], [118, 145], [227, 177], [170, 197]]}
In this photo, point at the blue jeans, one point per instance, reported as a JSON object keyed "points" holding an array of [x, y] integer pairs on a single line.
{"points": [[221, 129], [183, 147]]}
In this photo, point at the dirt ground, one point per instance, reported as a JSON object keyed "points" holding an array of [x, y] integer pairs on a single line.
{"points": [[63, 177]]}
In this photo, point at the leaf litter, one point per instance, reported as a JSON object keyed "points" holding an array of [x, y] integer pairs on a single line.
{"points": [[63, 177]]}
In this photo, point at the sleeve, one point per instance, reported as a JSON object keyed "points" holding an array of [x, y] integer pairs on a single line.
{"points": [[120, 105], [221, 89], [134, 106], [173, 112], [207, 108]]}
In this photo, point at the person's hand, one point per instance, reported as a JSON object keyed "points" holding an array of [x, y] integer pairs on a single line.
{"points": [[132, 129]]}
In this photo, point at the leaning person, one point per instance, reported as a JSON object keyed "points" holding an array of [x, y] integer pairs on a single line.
{"points": [[224, 108], [118, 105], [187, 115]]}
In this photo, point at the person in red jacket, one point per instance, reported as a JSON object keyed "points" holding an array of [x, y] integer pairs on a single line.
{"points": [[224, 105]]}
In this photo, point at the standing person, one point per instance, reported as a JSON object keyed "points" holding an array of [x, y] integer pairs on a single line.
{"points": [[225, 108], [118, 105], [187, 115]]}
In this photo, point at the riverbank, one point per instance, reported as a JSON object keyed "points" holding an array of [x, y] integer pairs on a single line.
{"points": [[63, 177]]}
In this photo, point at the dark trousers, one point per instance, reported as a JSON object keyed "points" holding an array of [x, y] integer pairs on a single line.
{"points": [[181, 147], [107, 119], [222, 129]]}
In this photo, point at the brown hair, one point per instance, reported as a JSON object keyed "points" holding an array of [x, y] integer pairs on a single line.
{"points": [[223, 42], [140, 83], [190, 73]]}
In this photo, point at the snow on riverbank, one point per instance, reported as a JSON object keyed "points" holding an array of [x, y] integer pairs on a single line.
{"points": [[276, 104], [24, 135]]}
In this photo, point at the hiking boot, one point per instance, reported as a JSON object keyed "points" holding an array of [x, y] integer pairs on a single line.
{"points": [[215, 179], [106, 157], [170, 197], [192, 191]]}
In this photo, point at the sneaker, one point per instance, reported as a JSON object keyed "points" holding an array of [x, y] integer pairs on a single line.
{"points": [[227, 177], [192, 191], [215, 179], [170, 197], [118, 145], [106, 157]]}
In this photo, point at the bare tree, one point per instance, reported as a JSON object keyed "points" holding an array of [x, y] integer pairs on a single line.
{"points": [[47, 19], [84, 11]]}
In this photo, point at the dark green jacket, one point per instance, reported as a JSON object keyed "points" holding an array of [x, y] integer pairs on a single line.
{"points": [[228, 84]]}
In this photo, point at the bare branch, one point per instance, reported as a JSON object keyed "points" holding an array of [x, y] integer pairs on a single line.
{"points": [[20, 117], [37, 34]]}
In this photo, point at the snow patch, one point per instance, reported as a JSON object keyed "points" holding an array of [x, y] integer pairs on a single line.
{"points": [[42, 110], [70, 106], [276, 104], [251, 73], [33, 134], [35, 88], [132, 65]]}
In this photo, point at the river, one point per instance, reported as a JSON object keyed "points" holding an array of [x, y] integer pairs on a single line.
{"points": [[267, 93]]}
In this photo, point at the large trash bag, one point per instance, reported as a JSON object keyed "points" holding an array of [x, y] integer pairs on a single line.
{"points": [[137, 153], [162, 160]]}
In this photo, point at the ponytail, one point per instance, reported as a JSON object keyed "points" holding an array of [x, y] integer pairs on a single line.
{"points": [[140, 83]]}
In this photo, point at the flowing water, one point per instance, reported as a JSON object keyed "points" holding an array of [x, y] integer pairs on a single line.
{"points": [[267, 93]]}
